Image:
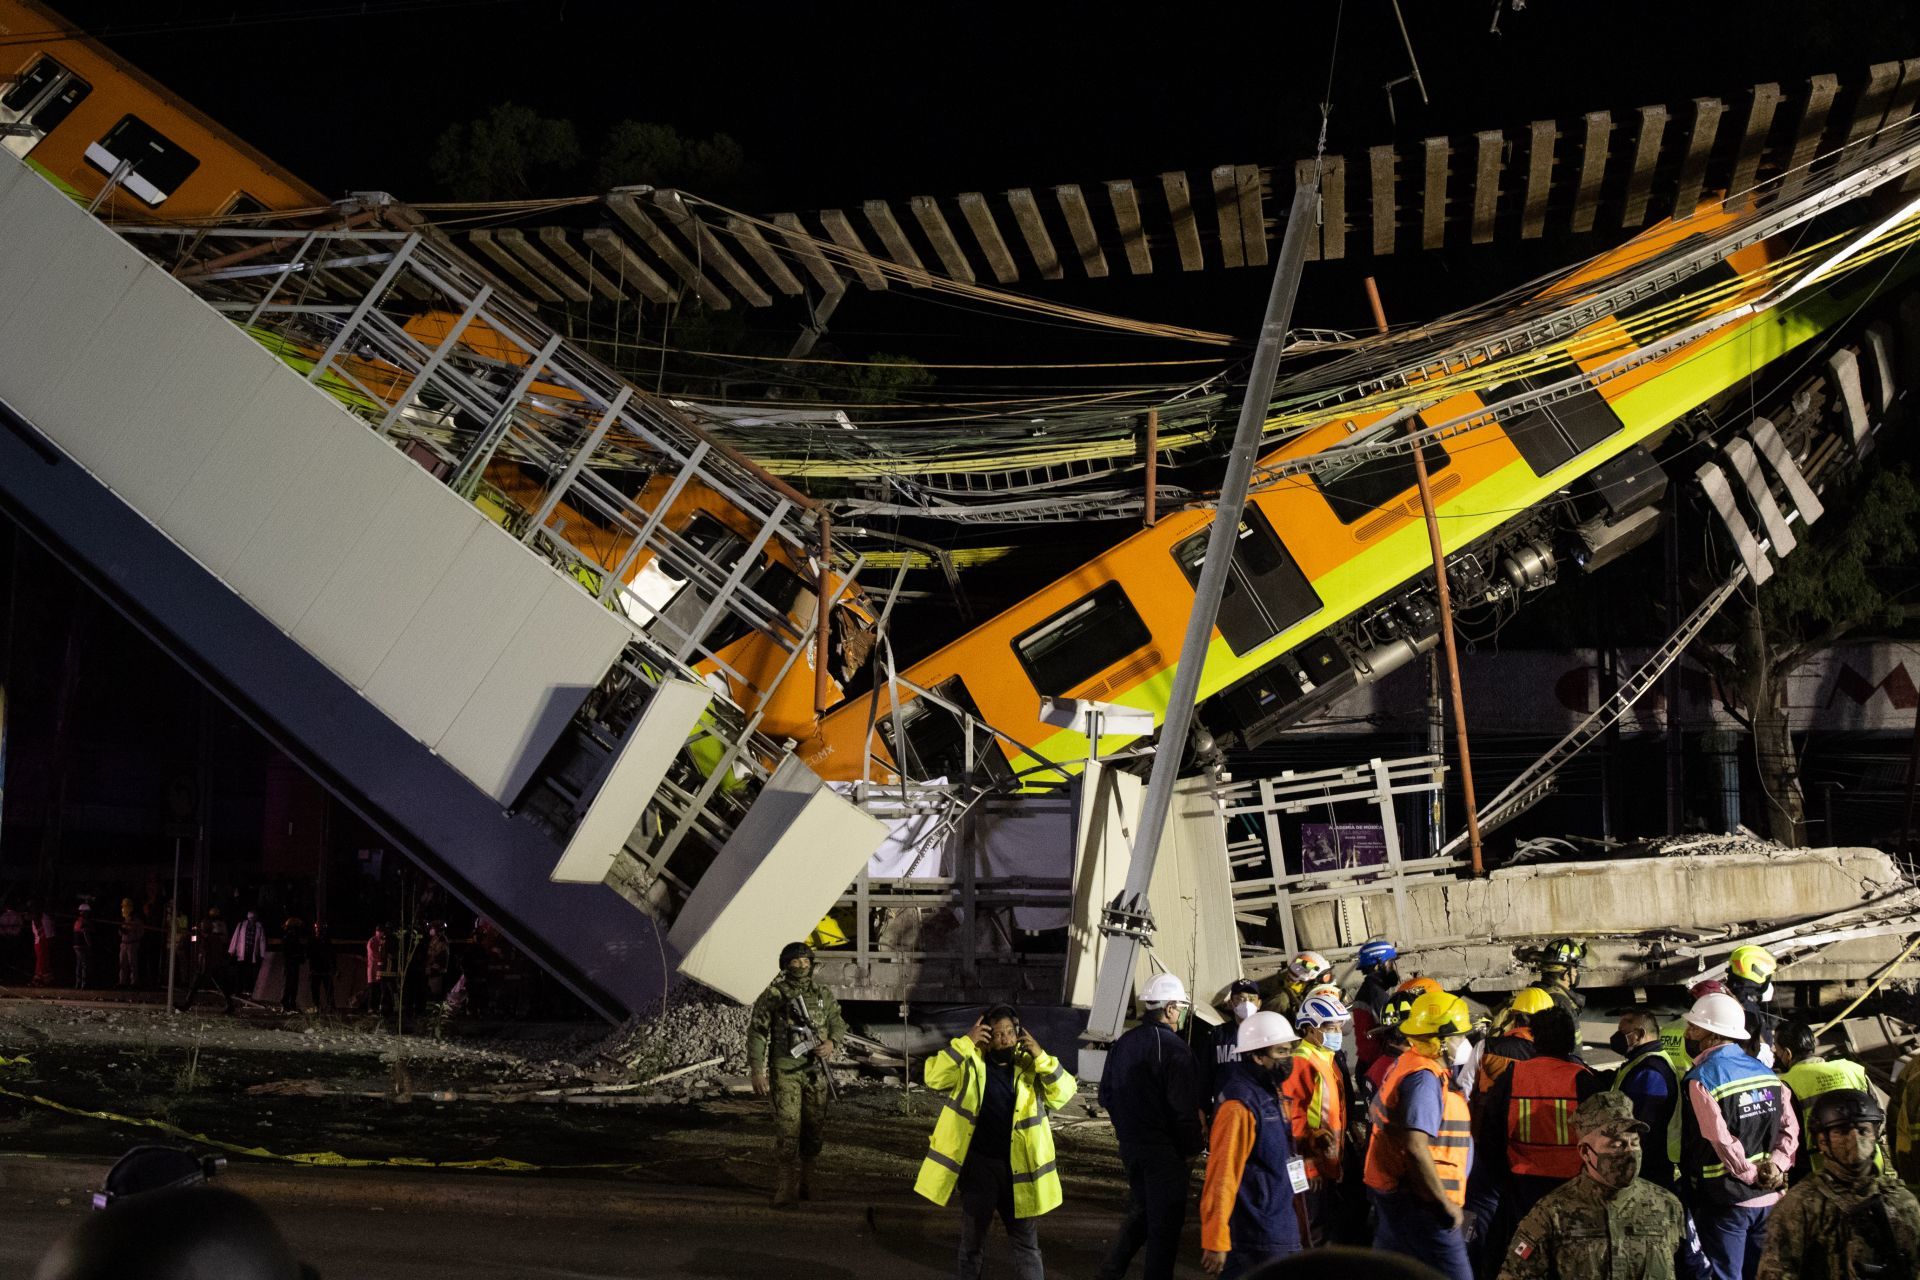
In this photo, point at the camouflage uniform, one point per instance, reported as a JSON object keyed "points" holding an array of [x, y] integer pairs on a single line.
{"points": [[1578, 1233], [799, 1085], [1822, 1231]]}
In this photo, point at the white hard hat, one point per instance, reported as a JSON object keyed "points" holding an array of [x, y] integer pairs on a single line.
{"points": [[1164, 988], [1720, 1015], [1263, 1029]]}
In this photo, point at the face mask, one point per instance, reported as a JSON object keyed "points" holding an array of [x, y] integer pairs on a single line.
{"points": [[1850, 1147], [1001, 1056], [1611, 1169], [1332, 1041], [1244, 1009], [1388, 978], [1766, 994], [1618, 1043]]}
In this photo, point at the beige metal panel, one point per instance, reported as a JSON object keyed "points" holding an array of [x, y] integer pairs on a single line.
{"points": [[193, 404], [36, 228], [1106, 807], [1192, 898], [784, 867], [378, 585], [350, 476], [519, 709], [260, 458], [636, 773], [462, 626], [97, 418], [57, 318]]}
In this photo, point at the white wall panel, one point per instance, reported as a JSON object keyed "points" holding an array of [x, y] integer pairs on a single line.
{"points": [[12, 171], [350, 477], [379, 585], [518, 711], [635, 774], [35, 230], [249, 469], [55, 322], [99, 405], [461, 628]]}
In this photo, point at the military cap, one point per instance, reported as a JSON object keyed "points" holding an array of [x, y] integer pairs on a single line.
{"points": [[1607, 1112]]}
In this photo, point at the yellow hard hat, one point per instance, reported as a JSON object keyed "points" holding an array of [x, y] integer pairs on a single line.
{"points": [[1438, 1014], [1530, 1000], [1754, 964]]}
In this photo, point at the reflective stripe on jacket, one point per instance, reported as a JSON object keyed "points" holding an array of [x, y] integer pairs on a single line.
{"points": [[1040, 1085], [1751, 1098], [1387, 1158], [1540, 1137], [1318, 1097]]}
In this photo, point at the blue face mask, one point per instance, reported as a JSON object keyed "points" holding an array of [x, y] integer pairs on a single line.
{"points": [[1331, 1041]]}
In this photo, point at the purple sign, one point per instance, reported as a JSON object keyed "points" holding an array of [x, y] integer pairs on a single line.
{"points": [[1341, 846]]}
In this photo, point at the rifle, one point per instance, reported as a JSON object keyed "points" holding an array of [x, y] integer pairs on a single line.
{"points": [[807, 1038]]}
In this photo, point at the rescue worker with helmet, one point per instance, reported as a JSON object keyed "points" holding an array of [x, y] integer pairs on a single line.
{"points": [[992, 1142], [1511, 1037], [1316, 1089], [1216, 1049], [1849, 1220], [1378, 961], [1247, 1209], [1523, 1140], [1559, 968], [1750, 981], [793, 1009], [1738, 1136], [1302, 973], [1648, 1078], [1151, 1090], [1421, 1147], [1607, 1223], [1387, 1034], [1797, 1061]]}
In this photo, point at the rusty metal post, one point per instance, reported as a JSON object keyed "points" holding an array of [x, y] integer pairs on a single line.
{"points": [[1153, 467], [822, 624], [1446, 620]]}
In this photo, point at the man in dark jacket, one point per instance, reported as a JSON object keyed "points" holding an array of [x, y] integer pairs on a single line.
{"points": [[1651, 1085], [1151, 1090]]}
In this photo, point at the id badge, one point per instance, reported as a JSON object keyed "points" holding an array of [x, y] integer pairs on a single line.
{"points": [[1297, 1172]]}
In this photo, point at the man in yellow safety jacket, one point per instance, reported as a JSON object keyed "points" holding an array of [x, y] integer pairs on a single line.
{"points": [[1422, 1143], [1796, 1057], [992, 1141]]}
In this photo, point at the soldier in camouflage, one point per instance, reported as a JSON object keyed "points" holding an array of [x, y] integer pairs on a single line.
{"points": [[1608, 1223], [797, 1083], [1849, 1221]]}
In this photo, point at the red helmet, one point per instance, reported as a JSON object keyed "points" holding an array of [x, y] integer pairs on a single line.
{"points": [[1712, 986]]}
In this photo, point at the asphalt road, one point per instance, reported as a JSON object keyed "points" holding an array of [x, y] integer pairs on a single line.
{"points": [[711, 1240]]}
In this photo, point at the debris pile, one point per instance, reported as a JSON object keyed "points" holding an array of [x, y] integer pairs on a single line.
{"points": [[695, 1029]]}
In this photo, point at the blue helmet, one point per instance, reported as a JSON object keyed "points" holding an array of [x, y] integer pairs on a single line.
{"points": [[1377, 952]]}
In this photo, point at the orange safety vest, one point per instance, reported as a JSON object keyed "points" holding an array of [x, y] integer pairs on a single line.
{"points": [[1540, 1138], [1387, 1158], [1495, 1065], [1318, 1099]]}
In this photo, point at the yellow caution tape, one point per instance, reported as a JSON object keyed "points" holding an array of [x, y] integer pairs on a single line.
{"points": [[325, 1159]]}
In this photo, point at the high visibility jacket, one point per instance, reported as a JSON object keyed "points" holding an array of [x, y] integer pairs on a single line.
{"points": [[1540, 1138], [1499, 1055], [1810, 1079], [1751, 1098], [1387, 1158], [1318, 1094], [1040, 1085]]}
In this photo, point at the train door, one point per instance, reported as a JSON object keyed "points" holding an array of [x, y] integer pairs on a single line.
{"points": [[940, 743], [35, 104], [1266, 591]]}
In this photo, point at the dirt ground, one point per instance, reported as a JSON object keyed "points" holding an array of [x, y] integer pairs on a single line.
{"points": [[300, 1084]]}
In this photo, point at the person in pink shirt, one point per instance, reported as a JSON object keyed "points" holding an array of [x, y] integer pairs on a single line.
{"points": [[376, 970], [1738, 1136]]}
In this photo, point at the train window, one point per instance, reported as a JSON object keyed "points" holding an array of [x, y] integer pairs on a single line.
{"points": [[71, 93], [1265, 593], [159, 166], [1552, 435], [936, 740], [242, 205], [1356, 490], [1082, 640], [38, 79]]}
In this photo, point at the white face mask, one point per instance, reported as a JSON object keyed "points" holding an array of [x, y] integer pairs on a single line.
{"points": [[1244, 1009], [1331, 1041], [1766, 995]]}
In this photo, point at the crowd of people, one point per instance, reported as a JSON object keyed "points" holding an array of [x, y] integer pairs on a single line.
{"points": [[1724, 1144]]}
